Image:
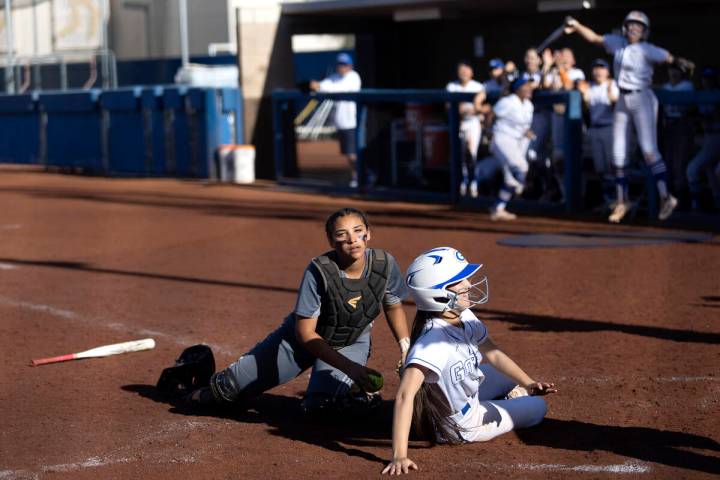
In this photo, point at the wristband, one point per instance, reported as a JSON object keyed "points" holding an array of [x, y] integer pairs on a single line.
{"points": [[404, 344]]}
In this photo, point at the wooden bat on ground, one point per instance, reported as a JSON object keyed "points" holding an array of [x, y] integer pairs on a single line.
{"points": [[104, 351]]}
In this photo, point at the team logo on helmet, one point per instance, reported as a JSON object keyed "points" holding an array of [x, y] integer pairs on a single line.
{"points": [[431, 273]]}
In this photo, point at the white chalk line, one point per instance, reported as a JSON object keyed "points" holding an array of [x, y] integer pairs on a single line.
{"points": [[619, 379], [7, 266], [627, 467], [122, 455], [117, 326]]}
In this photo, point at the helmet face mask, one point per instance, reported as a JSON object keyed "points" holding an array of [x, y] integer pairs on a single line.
{"points": [[433, 275], [477, 294]]}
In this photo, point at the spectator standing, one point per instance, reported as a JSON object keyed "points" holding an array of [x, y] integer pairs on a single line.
{"points": [[600, 97], [707, 160], [677, 132], [470, 126], [345, 79], [497, 82]]}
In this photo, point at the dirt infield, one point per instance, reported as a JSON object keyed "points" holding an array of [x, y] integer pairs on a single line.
{"points": [[629, 334]]}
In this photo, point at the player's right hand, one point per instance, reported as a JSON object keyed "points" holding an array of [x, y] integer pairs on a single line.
{"points": [[400, 466], [361, 376], [570, 25], [540, 388]]}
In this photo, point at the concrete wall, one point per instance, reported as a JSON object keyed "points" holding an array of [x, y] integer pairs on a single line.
{"points": [[150, 28]]}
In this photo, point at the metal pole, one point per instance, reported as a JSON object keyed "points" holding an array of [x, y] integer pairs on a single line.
{"points": [[182, 6], [104, 44], [35, 27], [10, 61]]}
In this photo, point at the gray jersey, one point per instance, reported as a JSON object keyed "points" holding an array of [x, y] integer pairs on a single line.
{"points": [[633, 63], [309, 294]]}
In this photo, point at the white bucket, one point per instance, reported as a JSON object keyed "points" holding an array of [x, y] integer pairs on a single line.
{"points": [[237, 163]]}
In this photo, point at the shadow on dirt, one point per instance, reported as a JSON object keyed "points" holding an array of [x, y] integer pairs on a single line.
{"points": [[523, 321], [645, 444], [342, 434], [542, 323]]}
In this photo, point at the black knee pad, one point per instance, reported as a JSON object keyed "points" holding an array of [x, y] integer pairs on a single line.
{"points": [[224, 388]]}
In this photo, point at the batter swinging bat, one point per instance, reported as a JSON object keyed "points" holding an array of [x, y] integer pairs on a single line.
{"points": [[557, 33], [104, 351]]}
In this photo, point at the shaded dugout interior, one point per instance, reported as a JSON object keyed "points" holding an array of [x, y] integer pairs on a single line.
{"points": [[423, 54]]}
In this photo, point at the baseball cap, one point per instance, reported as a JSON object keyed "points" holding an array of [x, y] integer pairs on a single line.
{"points": [[496, 63], [519, 82], [344, 58], [599, 62]]}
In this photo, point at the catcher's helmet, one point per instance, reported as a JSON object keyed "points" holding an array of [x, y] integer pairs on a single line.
{"points": [[192, 370], [430, 275], [639, 17]]}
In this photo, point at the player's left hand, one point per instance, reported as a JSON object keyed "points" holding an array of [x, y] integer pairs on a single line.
{"points": [[400, 466], [540, 388]]}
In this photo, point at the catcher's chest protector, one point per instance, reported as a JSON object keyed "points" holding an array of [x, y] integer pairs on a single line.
{"points": [[350, 305]]}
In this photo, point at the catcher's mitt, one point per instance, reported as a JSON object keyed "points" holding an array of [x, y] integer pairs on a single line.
{"points": [[192, 370]]}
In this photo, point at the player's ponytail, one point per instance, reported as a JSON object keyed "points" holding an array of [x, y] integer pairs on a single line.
{"points": [[431, 411]]}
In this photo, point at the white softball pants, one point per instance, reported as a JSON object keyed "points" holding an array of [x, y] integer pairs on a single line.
{"points": [[470, 131], [512, 153], [639, 109], [488, 418]]}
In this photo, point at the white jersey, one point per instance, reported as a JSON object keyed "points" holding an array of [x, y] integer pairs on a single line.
{"points": [[533, 77], [345, 112], [513, 117], [452, 357], [574, 74], [633, 63], [677, 111], [470, 87], [599, 104]]}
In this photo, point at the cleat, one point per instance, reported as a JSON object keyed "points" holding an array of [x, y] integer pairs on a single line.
{"points": [[619, 212], [517, 392], [667, 207], [463, 189], [473, 189], [200, 398], [502, 215]]}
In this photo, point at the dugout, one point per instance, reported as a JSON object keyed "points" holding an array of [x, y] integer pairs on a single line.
{"points": [[402, 44]]}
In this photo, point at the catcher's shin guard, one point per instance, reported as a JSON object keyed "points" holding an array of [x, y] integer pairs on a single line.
{"points": [[192, 370]]}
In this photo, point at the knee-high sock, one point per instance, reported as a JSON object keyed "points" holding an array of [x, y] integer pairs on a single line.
{"points": [[659, 171]]}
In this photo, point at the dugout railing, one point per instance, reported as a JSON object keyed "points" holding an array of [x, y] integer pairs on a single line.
{"points": [[287, 104]]}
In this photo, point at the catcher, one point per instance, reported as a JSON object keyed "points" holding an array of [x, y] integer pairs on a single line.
{"points": [[341, 294]]}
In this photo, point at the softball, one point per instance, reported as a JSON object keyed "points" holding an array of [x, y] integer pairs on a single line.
{"points": [[376, 381]]}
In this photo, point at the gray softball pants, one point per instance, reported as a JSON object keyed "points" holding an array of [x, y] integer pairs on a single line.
{"points": [[279, 358]]}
